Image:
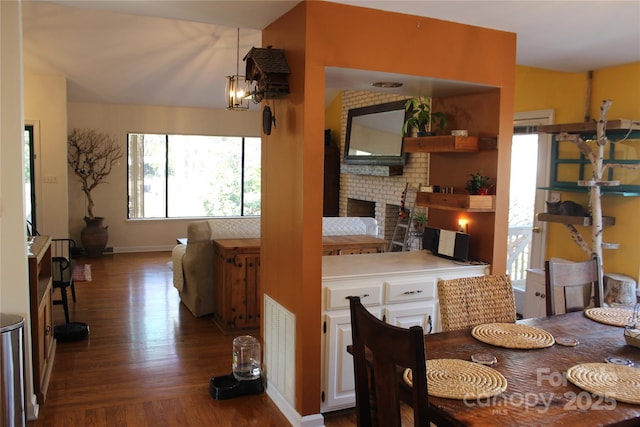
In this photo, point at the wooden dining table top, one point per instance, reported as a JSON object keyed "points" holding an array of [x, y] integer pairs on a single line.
{"points": [[538, 392]]}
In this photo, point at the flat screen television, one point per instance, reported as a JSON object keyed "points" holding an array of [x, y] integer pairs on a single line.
{"points": [[374, 135]]}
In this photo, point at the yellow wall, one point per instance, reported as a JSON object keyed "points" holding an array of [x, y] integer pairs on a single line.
{"points": [[538, 89], [319, 34]]}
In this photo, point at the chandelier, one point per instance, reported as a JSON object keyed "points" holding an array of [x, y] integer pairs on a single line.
{"points": [[237, 87]]}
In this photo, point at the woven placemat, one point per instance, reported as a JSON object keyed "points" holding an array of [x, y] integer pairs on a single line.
{"points": [[513, 335], [460, 379], [618, 382], [609, 315]]}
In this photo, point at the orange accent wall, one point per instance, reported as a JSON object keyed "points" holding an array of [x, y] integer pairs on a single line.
{"points": [[315, 35]]}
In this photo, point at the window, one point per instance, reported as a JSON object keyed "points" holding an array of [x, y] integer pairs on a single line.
{"points": [[173, 176]]}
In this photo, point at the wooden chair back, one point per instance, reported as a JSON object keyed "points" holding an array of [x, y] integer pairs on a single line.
{"points": [[472, 301], [572, 275], [62, 265], [380, 353]]}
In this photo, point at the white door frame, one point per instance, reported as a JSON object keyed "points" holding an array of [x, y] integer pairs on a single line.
{"points": [[539, 239]]}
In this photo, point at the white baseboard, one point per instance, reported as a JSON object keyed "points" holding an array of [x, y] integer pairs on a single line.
{"points": [[296, 420], [33, 408], [132, 249]]}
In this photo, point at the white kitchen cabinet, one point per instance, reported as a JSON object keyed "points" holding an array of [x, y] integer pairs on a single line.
{"points": [[411, 314], [399, 287], [535, 302], [341, 393]]}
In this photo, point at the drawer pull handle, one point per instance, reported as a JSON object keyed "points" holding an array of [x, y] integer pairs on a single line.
{"points": [[359, 296], [541, 295], [418, 291]]}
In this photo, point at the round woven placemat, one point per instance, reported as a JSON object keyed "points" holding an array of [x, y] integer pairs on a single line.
{"points": [[618, 382], [460, 379], [513, 335], [609, 315]]}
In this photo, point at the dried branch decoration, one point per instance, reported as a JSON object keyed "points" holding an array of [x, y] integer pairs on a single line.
{"points": [[92, 156]]}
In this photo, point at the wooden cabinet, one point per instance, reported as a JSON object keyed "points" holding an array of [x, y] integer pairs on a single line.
{"points": [[398, 287], [236, 282], [42, 341], [350, 245], [237, 303]]}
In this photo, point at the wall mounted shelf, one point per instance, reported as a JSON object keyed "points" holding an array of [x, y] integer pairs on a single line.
{"points": [[575, 220], [587, 127], [605, 191], [457, 202], [441, 144], [372, 170]]}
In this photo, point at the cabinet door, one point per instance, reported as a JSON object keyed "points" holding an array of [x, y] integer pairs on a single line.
{"points": [[43, 315], [421, 313], [339, 385], [534, 297], [237, 283], [245, 283], [48, 326]]}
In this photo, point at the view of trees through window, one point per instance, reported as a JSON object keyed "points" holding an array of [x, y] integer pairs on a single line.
{"points": [[173, 176]]}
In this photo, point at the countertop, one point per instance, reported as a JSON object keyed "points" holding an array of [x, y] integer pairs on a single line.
{"points": [[388, 262]]}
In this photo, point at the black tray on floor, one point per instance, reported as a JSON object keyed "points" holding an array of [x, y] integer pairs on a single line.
{"points": [[73, 331], [228, 387]]}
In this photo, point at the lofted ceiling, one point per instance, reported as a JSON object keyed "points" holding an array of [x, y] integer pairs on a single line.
{"points": [[178, 52]]}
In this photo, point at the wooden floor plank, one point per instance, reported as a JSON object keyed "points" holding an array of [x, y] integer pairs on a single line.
{"points": [[147, 360]]}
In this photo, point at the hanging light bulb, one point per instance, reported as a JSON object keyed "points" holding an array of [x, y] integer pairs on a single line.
{"points": [[237, 88]]}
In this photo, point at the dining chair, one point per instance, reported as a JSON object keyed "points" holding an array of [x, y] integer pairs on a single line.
{"points": [[471, 301], [63, 265], [380, 352], [577, 280]]}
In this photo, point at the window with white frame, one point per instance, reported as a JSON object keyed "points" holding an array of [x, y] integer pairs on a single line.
{"points": [[177, 176]]}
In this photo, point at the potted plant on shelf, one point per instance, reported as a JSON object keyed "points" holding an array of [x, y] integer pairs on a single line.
{"points": [[478, 184], [419, 219], [421, 118], [92, 155]]}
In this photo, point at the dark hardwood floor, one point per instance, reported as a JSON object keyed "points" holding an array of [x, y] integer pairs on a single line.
{"points": [[147, 360]]}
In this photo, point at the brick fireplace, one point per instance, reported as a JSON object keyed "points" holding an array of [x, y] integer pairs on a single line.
{"points": [[379, 195]]}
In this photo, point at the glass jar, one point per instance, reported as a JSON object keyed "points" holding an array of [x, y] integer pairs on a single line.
{"points": [[246, 358]]}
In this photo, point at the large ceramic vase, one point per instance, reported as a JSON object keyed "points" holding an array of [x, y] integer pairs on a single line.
{"points": [[94, 237]]}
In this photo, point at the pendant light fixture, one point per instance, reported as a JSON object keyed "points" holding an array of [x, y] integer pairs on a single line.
{"points": [[237, 87]]}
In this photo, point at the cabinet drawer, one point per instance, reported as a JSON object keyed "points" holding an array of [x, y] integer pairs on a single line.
{"points": [[414, 289], [421, 314], [337, 296]]}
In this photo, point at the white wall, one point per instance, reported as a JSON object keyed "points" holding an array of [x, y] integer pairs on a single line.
{"points": [[111, 198], [14, 294]]}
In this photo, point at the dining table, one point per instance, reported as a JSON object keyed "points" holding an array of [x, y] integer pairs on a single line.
{"points": [[538, 391]]}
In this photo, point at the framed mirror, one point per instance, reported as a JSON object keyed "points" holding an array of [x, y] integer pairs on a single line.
{"points": [[374, 135]]}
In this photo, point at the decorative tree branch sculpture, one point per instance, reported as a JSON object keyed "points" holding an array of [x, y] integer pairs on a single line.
{"points": [[92, 156], [596, 157]]}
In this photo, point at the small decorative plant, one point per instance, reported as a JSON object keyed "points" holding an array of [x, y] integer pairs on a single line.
{"points": [[422, 118], [418, 219], [478, 183], [91, 156]]}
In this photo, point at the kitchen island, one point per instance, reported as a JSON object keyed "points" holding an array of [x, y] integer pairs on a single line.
{"points": [[398, 287]]}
